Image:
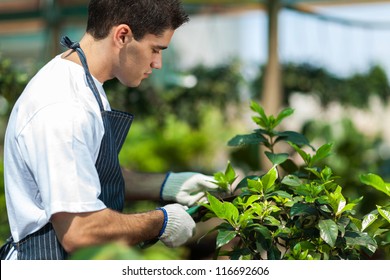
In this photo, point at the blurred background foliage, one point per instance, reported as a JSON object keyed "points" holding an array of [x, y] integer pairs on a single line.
{"points": [[185, 126]]}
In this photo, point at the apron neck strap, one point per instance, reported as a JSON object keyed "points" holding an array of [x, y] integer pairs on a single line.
{"points": [[66, 42]]}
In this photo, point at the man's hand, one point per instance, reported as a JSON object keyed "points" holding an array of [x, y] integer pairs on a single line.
{"points": [[178, 225], [187, 188]]}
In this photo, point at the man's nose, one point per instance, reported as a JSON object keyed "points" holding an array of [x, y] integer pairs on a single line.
{"points": [[157, 62]]}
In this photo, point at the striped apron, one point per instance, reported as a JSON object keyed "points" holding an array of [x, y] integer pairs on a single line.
{"points": [[43, 244]]}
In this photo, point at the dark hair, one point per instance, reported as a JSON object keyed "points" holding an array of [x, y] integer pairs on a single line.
{"points": [[142, 16]]}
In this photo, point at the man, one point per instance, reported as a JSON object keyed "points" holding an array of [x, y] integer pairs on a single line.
{"points": [[64, 186]]}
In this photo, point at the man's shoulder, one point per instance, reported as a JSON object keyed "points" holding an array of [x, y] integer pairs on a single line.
{"points": [[59, 70]]}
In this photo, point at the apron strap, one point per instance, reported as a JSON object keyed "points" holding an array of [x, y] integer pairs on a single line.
{"points": [[6, 248], [66, 42]]}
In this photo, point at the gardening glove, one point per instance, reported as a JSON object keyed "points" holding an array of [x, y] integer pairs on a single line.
{"points": [[187, 188], [178, 225]]}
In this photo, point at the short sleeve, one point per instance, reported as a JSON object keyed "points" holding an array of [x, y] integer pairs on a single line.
{"points": [[60, 144]]}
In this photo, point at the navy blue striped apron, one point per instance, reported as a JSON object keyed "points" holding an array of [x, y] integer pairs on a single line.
{"points": [[43, 244]]}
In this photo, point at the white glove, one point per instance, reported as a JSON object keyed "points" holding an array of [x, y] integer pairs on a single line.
{"points": [[178, 225], [187, 188]]}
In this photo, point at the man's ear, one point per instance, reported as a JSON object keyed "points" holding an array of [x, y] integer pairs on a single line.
{"points": [[122, 35]]}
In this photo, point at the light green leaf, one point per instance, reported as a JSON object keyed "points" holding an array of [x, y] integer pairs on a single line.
{"points": [[375, 181], [255, 185], [322, 152], [368, 220], [258, 109], [384, 213], [284, 114], [251, 200], [223, 210], [271, 221], [292, 181], [341, 205], [230, 173], [347, 207], [269, 179]]}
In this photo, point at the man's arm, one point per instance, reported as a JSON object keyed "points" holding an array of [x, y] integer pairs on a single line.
{"points": [[142, 186], [78, 230]]}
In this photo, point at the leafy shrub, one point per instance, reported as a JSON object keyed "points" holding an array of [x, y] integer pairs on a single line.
{"points": [[293, 211]]}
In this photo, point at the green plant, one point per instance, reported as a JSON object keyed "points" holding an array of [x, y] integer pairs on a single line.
{"points": [[291, 211]]}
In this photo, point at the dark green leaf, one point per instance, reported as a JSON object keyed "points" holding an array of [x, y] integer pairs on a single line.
{"points": [[299, 209], [293, 137], [224, 237], [247, 139], [361, 239], [305, 156], [328, 231], [276, 159], [281, 194], [273, 253]]}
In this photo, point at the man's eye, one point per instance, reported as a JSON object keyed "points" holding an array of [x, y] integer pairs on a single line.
{"points": [[156, 51]]}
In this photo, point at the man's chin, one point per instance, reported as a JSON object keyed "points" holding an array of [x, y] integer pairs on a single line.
{"points": [[132, 84]]}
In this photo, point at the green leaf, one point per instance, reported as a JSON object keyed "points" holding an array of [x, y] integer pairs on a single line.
{"points": [[224, 237], [328, 231], [230, 174], [247, 139], [299, 209], [271, 221], [255, 185], [384, 213], [251, 200], [279, 194], [305, 156], [284, 114], [361, 239], [314, 171], [223, 210], [255, 107], [368, 220], [277, 159], [292, 181], [375, 181], [269, 179], [336, 200], [261, 122], [265, 236], [347, 207], [322, 152], [244, 182], [294, 138]]}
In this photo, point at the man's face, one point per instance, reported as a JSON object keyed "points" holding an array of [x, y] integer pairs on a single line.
{"points": [[139, 58]]}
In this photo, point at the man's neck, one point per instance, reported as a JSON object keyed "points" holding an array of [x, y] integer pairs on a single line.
{"points": [[95, 52]]}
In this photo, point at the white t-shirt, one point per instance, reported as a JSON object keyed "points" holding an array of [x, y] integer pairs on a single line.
{"points": [[51, 145]]}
